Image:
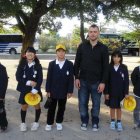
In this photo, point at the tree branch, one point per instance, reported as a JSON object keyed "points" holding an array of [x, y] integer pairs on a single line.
{"points": [[20, 23]]}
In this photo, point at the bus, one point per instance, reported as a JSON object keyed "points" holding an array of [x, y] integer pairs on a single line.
{"points": [[12, 43], [116, 41]]}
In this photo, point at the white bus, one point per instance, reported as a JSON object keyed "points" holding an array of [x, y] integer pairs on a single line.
{"points": [[12, 43]]}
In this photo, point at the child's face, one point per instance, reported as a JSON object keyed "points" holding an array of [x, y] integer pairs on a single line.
{"points": [[60, 54], [116, 59], [30, 56]]}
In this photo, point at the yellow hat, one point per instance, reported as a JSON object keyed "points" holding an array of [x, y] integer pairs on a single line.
{"points": [[129, 103], [60, 46], [32, 99]]}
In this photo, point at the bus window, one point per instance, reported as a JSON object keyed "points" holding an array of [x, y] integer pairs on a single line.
{"points": [[10, 43]]}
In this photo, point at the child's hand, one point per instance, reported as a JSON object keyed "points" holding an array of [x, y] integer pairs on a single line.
{"points": [[33, 84], [126, 95], [107, 97], [69, 95], [48, 94]]}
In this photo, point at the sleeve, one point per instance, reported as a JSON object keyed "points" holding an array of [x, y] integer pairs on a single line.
{"points": [[49, 78], [39, 78], [134, 76], [105, 65], [19, 75], [71, 79], [3, 82], [126, 76], [106, 90], [77, 62]]}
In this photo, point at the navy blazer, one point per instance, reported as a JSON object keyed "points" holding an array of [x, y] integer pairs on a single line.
{"points": [[118, 81], [29, 73], [60, 81], [3, 81]]}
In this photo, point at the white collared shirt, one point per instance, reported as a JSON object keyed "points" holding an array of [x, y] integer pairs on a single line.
{"points": [[60, 63], [116, 67], [31, 64]]}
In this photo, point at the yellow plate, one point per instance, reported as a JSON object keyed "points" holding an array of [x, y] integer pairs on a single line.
{"points": [[129, 103], [32, 99]]}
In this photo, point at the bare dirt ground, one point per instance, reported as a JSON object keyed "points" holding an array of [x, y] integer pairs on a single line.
{"points": [[71, 123]]}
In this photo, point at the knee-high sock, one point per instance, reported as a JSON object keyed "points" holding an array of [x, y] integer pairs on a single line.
{"points": [[23, 115], [37, 114]]}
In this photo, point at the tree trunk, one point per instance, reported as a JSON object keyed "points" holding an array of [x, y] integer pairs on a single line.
{"points": [[81, 21], [29, 34]]}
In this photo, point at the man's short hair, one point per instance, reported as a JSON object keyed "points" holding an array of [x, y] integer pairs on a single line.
{"points": [[94, 26]]}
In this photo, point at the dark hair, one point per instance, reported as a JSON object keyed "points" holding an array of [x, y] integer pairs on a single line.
{"points": [[116, 53], [23, 60], [31, 49], [94, 26]]}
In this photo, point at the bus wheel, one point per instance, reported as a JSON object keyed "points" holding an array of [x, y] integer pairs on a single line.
{"points": [[12, 51]]}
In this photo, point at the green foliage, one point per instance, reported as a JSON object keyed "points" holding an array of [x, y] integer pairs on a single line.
{"points": [[47, 41], [133, 36], [111, 43]]}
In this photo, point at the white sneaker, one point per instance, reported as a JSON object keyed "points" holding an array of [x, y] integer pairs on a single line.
{"points": [[119, 126], [83, 126], [48, 127], [34, 126], [59, 126], [112, 125], [95, 127], [23, 127]]}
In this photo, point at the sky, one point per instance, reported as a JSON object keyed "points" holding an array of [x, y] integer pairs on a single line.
{"points": [[69, 24]]}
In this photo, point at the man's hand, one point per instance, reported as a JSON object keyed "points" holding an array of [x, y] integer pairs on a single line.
{"points": [[77, 83], [101, 88]]}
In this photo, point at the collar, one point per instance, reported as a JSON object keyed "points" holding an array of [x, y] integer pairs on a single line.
{"points": [[60, 62], [31, 64]]}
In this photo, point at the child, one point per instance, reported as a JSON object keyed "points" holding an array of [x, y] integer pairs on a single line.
{"points": [[135, 77], [59, 86], [29, 76], [117, 88], [3, 88]]}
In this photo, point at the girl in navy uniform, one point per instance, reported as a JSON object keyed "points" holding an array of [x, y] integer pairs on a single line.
{"points": [[59, 86], [117, 88], [29, 76], [3, 88]]}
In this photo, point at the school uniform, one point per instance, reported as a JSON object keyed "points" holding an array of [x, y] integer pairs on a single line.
{"points": [[118, 84], [25, 73], [60, 81], [3, 88], [135, 78]]}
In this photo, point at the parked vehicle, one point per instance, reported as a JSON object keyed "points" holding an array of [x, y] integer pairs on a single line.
{"points": [[12, 43], [115, 41]]}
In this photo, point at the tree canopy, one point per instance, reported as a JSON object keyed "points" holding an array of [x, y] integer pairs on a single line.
{"points": [[35, 15]]}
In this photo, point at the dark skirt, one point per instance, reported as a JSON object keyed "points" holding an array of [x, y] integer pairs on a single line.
{"points": [[22, 96], [115, 101]]}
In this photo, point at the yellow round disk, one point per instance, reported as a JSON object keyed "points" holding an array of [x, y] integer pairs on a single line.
{"points": [[129, 103], [32, 99]]}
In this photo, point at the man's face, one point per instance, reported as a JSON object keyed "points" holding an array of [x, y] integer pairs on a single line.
{"points": [[93, 33]]}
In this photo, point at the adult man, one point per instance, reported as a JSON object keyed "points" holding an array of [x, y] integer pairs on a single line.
{"points": [[91, 70]]}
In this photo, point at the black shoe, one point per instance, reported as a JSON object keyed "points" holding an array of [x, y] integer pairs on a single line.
{"points": [[3, 128]]}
